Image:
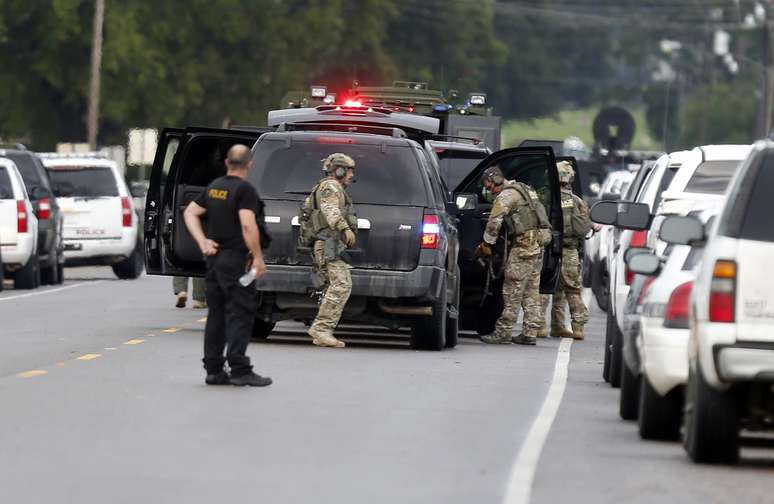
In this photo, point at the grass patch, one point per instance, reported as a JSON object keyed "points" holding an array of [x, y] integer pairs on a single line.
{"points": [[571, 123]]}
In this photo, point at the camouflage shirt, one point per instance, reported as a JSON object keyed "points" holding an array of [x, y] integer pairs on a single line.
{"points": [[332, 199], [505, 203]]}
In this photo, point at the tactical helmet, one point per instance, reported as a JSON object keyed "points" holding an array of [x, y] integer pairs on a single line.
{"points": [[494, 175], [566, 173], [338, 164]]}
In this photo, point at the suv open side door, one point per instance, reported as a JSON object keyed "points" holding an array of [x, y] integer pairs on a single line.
{"points": [[186, 162], [535, 166]]}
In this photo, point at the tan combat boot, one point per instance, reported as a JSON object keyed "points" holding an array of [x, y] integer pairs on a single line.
{"points": [[577, 331], [199, 305], [325, 340], [558, 331], [542, 332], [181, 299]]}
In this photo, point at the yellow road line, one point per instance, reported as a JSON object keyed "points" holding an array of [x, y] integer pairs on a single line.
{"points": [[202, 319], [60, 364], [150, 335], [33, 373], [171, 330], [134, 342], [89, 356]]}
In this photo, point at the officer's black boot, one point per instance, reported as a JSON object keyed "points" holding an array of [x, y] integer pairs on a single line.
{"points": [[251, 379], [217, 379]]}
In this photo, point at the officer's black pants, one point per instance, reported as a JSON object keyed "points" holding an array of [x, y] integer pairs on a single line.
{"points": [[231, 314]]}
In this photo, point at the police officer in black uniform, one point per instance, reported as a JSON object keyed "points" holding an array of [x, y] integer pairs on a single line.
{"points": [[232, 246]]}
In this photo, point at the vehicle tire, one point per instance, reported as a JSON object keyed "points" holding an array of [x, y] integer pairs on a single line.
{"points": [[28, 277], [600, 286], [659, 417], [488, 315], [588, 267], [711, 422], [453, 324], [2, 274], [50, 274], [606, 350], [616, 353], [131, 267], [262, 329], [629, 400], [429, 333], [60, 272]]}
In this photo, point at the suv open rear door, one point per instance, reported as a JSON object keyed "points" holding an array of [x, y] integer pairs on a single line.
{"points": [[186, 162], [535, 166]]}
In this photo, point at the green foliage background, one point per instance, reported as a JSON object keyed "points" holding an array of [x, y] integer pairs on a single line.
{"points": [[212, 62]]}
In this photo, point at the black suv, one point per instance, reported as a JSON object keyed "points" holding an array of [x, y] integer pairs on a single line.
{"points": [[413, 264], [50, 218]]}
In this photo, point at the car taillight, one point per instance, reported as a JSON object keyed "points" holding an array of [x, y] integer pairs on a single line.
{"points": [[678, 307], [723, 292], [44, 208], [431, 232], [126, 212], [21, 216], [639, 239]]}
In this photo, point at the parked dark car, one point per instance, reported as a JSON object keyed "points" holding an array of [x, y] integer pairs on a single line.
{"points": [[50, 218], [413, 264]]}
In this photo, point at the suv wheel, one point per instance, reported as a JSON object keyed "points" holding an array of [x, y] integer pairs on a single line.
{"points": [[616, 350], [429, 333], [659, 417], [28, 277], [262, 329], [50, 274], [2, 274], [630, 394], [600, 286], [711, 422], [588, 266], [131, 267], [453, 319]]}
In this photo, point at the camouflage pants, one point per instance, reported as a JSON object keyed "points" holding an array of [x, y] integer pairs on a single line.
{"points": [[521, 287], [336, 294], [568, 291]]}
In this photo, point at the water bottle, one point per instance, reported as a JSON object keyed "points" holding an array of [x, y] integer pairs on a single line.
{"points": [[248, 277]]}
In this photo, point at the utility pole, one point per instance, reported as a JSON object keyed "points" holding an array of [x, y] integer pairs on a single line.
{"points": [[92, 121]]}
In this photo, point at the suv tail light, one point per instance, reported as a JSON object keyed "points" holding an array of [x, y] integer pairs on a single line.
{"points": [[431, 232], [44, 208], [639, 239], [678, 307], [723, 292], [126, 212], [21, 216]]}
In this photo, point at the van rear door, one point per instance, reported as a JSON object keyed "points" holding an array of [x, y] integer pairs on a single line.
{"points": [[186, 162]]}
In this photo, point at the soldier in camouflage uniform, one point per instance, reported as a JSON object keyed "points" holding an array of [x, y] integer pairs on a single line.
{"points": [[337, 227], [576, 225], [517, 206]]}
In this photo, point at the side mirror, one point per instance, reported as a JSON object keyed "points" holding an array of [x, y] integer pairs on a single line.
{"points": [[635, 251], [645, 264], [604, 212], [138, 189], [634, 216], [609, 196], [681, 230], [465, 201]]}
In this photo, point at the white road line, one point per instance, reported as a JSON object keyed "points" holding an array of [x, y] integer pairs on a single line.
{"points": [[523, 471], [50, 291]]}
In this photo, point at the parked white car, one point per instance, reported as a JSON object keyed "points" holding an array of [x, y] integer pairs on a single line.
{"points": [[18, 229], [731, 342], [100, 220]]}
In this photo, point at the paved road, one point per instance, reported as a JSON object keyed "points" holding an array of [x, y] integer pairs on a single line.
{"points": [[103, 401]]}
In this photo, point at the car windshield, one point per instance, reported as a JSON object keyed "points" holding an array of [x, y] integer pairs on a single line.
{"points": [[83, 181], [712, 177], [6, 191], [385, 175], [456, 164]]}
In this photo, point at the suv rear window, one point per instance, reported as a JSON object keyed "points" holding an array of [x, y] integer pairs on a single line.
{"points": [[712, 177], [389, 176], [747, 214], [6, 190], [28, 170], [86, 181]]}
